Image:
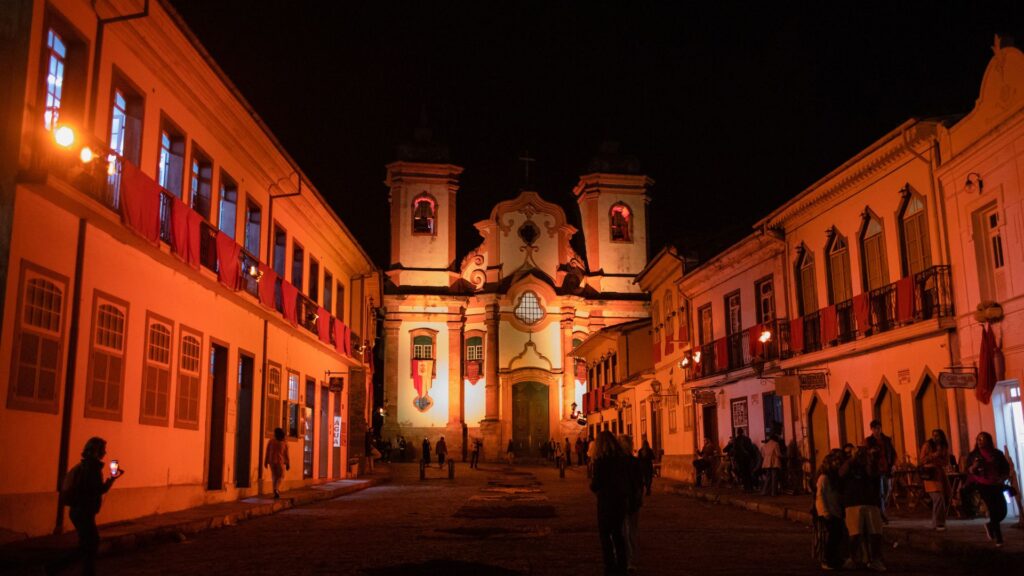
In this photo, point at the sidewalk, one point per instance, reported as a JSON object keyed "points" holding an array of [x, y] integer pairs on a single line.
{"points": [[26, 555], [906, 528]]}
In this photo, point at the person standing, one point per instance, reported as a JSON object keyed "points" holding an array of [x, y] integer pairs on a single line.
{"points": [[861, 507], [741, 450], [645, 456], [510, 453], [276, 458], [442, 451], [771, 463], [885, 460], [933, 458], [987, 471], [706, 462], [474, 457], [83, 491], [425, 449], [829, 508], [611, 484], [635, 500], [559, 455], [568, 453]]}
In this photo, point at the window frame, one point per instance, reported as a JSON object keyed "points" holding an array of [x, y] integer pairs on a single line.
{"points": [[200, 182], [705, 339], [837, 247], [227, 187], [298, 259], [806, 296], [99, 299], [759, 286], [291, 416], [432, 220], [628, 215], [176, 138], [275, 408], [328, 303], [147, 362], [252, 243], [414, 334], [180, 398], [339, 298], [866, 258], [313, 287], [75, 69], [29, 271], [924, 234]]}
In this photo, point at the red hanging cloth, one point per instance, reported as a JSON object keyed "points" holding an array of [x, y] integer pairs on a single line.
{"points": [[323, 325], [668, 343], [348, 340], [289, 294], [796, 334], [140, 202], [722, 354], [754, 340], [657, 351], [268, 286], [228, 263], [339, 335], [986, 366], [905, 299], [862, 311], [179, 229], [829, 325]]}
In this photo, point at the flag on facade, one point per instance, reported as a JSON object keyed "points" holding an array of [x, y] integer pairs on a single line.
{"points": [[422, 380], [473, 371], [986, 366]]}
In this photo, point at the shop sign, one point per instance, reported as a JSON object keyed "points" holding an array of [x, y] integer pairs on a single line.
{"points": [[704, 396], [813, 381], [958, 380], [337, 431]]}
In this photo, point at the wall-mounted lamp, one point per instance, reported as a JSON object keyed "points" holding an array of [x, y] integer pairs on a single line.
{"points": [[696, 357], [765, 337], [255, 272], [974, 178], [312, 317]]}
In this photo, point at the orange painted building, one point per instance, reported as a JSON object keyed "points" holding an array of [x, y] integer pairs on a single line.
{"points": [[171, 280]]}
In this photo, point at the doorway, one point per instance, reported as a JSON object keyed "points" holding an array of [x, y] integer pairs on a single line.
{"points": [[324, 405], [887, 412], [709, 418], [851, 421], [1009, 423], [308, 422], [243, 421], [336, 437], [530, 425], [218, 401], [817, 417]]}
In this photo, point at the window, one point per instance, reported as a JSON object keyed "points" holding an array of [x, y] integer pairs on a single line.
{"points": [[670, 324], [125, 135], [529, 310], [914, 227], [684, 319], [620, 220], [340, 300], [765, 290], [228, 207], [773, 413], [171, 165], [253, 227], [314, 280], [186, 406], [298, 264], [273, 399], [705, 331], [424, 214], [423, 348], [38, 341], [293, 404], [156, 371], [807, 296], [876, 271], [475, 348], [688, 413], [655, 318], [839, 285], [57, 53], [280, 249], [988, 246], [733, 319], [643, 418], [672, 419], [105, 386], [328, 293], [200, 183]]}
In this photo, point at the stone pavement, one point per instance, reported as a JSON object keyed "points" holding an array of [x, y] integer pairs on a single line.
{"points": [[29, 555], [911, 528]]}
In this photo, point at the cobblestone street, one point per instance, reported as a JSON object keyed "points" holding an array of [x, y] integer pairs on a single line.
{"points": [[524, 520]]}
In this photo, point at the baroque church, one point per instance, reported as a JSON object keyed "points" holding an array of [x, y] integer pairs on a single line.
{"points": [[480, 345]]}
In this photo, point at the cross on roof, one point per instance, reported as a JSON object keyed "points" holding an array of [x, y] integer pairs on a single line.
{"points": [[525, 158]]}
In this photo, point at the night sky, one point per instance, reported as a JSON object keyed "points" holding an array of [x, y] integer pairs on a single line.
{"points": [[731, 107]]}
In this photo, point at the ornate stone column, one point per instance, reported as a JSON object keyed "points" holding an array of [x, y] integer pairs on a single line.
{"points": [[490, 426], [455, 388], [391, 329], [568, 364]]}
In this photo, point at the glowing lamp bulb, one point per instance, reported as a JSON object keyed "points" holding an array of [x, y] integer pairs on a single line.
{"points": [[696, 357], [765, 336], [64, 136], [684, 363], [86, 155]]}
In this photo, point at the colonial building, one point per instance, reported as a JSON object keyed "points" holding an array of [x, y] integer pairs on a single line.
{"points": [[481, 345], [171, 280], [982, 191]]}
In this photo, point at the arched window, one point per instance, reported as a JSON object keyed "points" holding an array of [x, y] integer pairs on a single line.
{"points": [[887, 410], [851, 422], [106, 374], [423, 348], [916, 251], [872, 248], [838, 263], [670, 319], [424, 214], [186, 405], [474, 358], [807, 294], [36, 360], [529, 310], [156, 372], [620, 220], [931, 410]]}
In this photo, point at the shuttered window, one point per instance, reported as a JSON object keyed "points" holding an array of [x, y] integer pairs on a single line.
{"points": [[38, 341], [156, 372], [105, 389], [186, 405]]}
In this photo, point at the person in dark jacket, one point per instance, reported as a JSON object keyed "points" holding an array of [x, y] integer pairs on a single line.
{"points": [[83, 492], [611, 483], [646, 457], [987, 471], [884, 453], [860, 499], [743, 454], [426, 451], [637, 482], [442, 451]]}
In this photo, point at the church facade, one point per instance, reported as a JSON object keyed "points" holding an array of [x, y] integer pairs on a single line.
{"points": [[480, 346]]}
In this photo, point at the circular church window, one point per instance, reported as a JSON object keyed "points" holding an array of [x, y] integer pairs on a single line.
{"points": [[528, 310]]}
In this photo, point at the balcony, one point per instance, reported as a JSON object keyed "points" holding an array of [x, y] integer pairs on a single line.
{"points": [[738, 350]]}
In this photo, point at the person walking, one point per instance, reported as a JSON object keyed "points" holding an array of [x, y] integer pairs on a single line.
{"points": [[885, 460], [742, 452], [987, 471], [635, 501], [474, 458], [83, 491], [559, 454], [706, 462], [933, 459], [829, 510], [611, 484], [771, 463], [425, 451], [645, 456], [860, 481], [442, 451], [276, 458], [510, 453]]}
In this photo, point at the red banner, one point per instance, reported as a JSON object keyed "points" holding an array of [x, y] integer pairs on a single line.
{"points": [[228, 263], [905, 299], [862, 311], [140, 202], [289, 293], [829, 325], [268, 286], [796, 334], [323, 325], [422, 376], [722, 354], [754, 340], [473, 371]]}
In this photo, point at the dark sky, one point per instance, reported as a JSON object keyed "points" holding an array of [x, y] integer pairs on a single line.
{"points": [[731, 107]]}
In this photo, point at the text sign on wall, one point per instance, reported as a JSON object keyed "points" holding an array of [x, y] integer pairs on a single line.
{"points": [[958, 380], [739, 413], [337, 431], [704, 396], [813, 381]]}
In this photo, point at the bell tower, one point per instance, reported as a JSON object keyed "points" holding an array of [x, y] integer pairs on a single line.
{"points": [[613, 199], [422, 185]]}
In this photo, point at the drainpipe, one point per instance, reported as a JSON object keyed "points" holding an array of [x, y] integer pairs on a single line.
{"points": [[69, 374], [101, 24]]}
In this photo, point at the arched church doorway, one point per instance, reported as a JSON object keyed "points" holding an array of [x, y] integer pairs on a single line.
{"points": [[530, 418], [817, 415]]}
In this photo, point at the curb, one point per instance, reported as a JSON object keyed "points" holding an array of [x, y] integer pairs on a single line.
{"points": [[913, 539]]}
